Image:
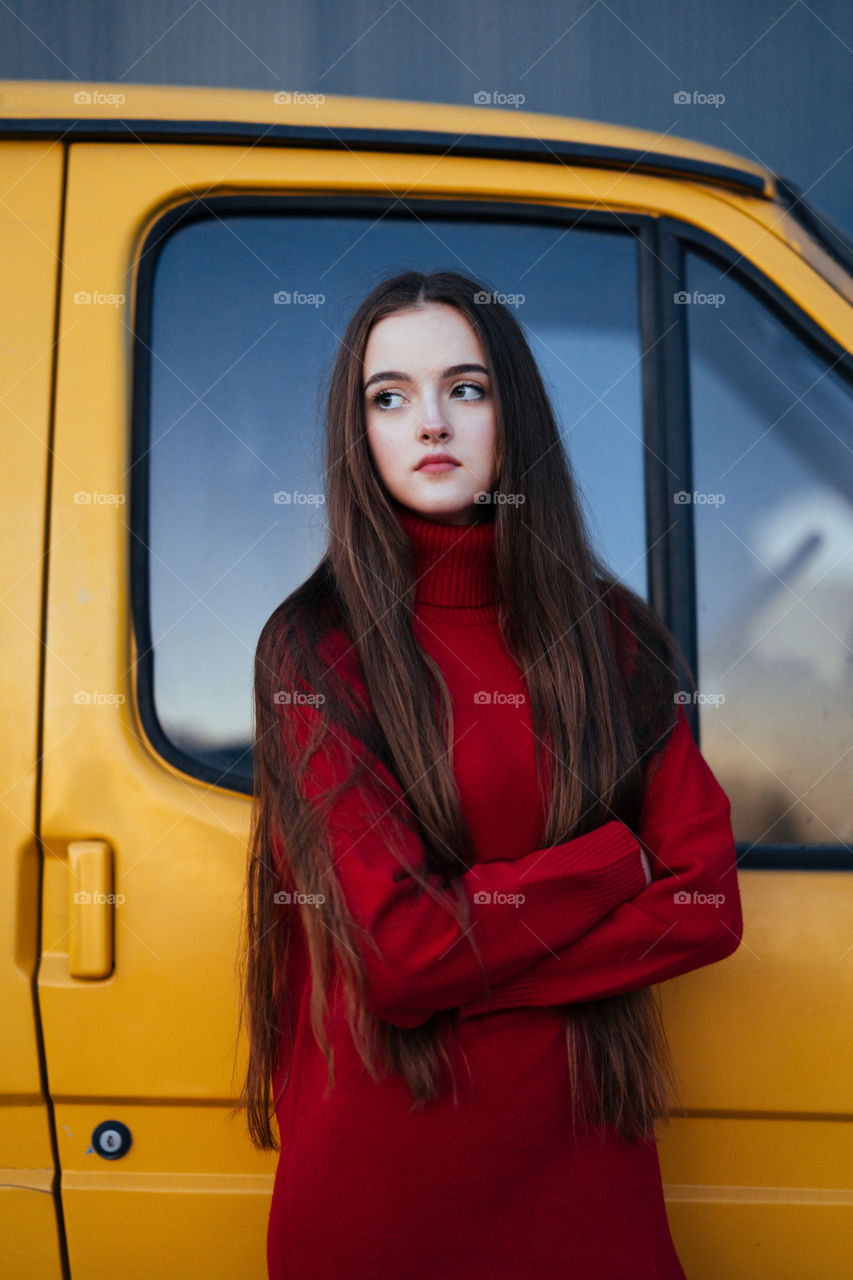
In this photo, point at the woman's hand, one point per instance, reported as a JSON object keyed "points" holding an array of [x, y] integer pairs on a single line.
{"points": [[646, 867]]}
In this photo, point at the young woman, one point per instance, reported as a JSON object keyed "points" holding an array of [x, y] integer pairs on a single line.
{"points": [[481, 830]]}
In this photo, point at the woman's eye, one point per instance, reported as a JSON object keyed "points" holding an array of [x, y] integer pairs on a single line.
{"points": [[379, 395], [471, 386]]}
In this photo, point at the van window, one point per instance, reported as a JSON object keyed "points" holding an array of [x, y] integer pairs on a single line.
{"points": [[773, 511], [246, 311]]}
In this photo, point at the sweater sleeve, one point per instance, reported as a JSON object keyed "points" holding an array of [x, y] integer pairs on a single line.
{"points": [[519, 908], [688, 916]]}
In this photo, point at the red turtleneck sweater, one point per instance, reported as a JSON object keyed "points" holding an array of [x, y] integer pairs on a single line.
{"points": [[498, 1188]]}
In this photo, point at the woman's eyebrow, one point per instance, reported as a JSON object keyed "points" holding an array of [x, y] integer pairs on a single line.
{"points": [[393, 375]]}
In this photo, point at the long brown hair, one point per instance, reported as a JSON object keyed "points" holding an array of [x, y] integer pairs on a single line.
{"points": [[599, 726]]}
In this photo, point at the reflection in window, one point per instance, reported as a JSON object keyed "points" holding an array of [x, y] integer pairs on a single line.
{"points": [[773, 511], [242, 351]]}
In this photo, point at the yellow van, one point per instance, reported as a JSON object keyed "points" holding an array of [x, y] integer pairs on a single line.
{"points": [[178, 267]]}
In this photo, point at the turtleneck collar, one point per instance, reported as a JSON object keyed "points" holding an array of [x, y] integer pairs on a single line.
{"points": [[455, 565]]}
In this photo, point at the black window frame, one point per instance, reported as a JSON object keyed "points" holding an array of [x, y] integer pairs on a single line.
{"points": [[674, 239]]}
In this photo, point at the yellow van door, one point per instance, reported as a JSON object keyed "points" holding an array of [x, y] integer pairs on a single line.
{"points": [[143, 866], [144, 860], [31, 175]]}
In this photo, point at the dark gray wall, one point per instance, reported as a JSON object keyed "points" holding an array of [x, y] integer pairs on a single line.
{"points": [[785, 68]]}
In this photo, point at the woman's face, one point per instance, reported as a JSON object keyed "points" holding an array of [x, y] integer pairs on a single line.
{"points": [[427, 392]]}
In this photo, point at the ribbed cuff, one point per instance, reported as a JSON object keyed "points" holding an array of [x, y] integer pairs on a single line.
{"points": [[612, 851]]}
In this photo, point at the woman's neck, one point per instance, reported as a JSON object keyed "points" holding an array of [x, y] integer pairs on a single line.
{"points": [[455, 565]]}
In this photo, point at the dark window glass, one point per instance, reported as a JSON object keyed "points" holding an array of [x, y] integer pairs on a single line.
{"points": [[773, 509], [247, 312]]}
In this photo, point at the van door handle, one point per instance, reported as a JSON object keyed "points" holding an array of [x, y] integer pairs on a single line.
{"points": [[91, 908]]}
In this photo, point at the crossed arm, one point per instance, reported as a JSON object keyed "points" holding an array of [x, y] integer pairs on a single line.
{"points": [[689, 916]]}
